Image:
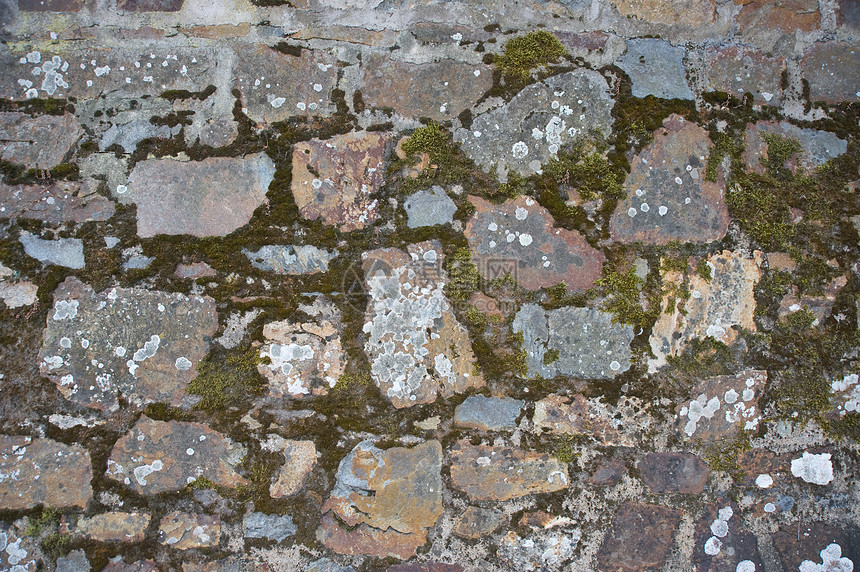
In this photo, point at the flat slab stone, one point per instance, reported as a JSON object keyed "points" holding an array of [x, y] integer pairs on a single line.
{"points": [[43, 472], [150, 5], [518, 236], [68, 252], [720, 407], [788, 15], [656, 68], [159, 456], [291, 260], [50, 5], [639, 539], [212, 197], [411, 328], [530, 129], [737, 70], [270, 526], [334, 179], [300, 457], [16, 293], [143, 344], [573, 333], [39, 142], [671, 12], [425, 567], [674, 473], [668, 198], [816, 147], [195, 270], [502, 473], [543, 550], [114, 526], [723, 542], [128, 135], [488, 413], [184, 531], [54, 203], [74, 561], [117, 564], [819, 546], [477, 522], [429, 207], [619, 426]]}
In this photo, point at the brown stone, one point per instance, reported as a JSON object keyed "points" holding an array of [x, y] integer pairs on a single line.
{"points": [[117, 564], [757, 461], [476, 522], [639, 538], [50, 5], [150, 5], [350, 34], [608, 473], [831, 69], [39, 142], [578, 415], [195, 270], [503, 473], [669, 12], [114, 526], [221, 31], [56, 202], [723, 542], [300, 457], [183, 531], [668, 197], [365, 539], [737, 70], [426, 567], [674, 473], [816, 147], [820, 306], [786, 15], [804, 541], [721, 407]]}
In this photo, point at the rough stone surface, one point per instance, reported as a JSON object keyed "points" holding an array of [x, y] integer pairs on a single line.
{"points": [[720, 407], [737, 70], [16, 293], [819, 306], [671, 12], [817, 147], [426, 567], [183, 531], [128, 135], [668, 198], [722, 541], [270, 526], [503, 473], [114, 526], [117, 564], [300, 457], [195, 270], [539, 551], [518, 237], [143, 344], [74, 561], [477, 522], [578, 415], [39, 142], [788, 15], [68, 252], [159, 456], [291, 260], [656, 68], [674, 473], [818, 547], [429, 207], [61, 201], [639, 538], [488, 413]]}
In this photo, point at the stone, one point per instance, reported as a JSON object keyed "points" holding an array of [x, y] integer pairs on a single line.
{"points": [[114, 526], [519, 237], [639, 538], [194, 271], [723, 543], [237, 563], [39, 142], [573, 333], [57, 202], [537, 123], [416, 347], [150, 5], [615, 426], [671, 12], [68, 252], [714, 307], [144, 344], [816, 147], [656, 68], [16, 293], [787, 15], [538, 551], [117, 564], [74, 561], [291, 260], [388, 499], [327, 565], [159, 456], [429, 207], [128, 135], [426, 567], [236, 328], [42, 471], [502, 473], [335, 179], [477, 522], [300, 457], [818, 547], [668, 197], [212, 197], [17, 551], [184, 531], [813, 468], [674, 473], [50, 5], [608, 473], [846, 394], [848, 14], [737, 70], [819, 306], [439, 90], [488, 413], [721, 407], [270, 526]]}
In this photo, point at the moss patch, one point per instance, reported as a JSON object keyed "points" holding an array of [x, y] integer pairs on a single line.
{"points": [[532, 51]]}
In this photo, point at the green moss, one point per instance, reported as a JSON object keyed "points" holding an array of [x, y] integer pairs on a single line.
{"points": [[56, 545], [526, 53], [476, 318], [590, 174], [760, 207], [47, 517], [622, 290], [779, 150], [704, 358], [227, 378], [462, 275], [724, 146], [563, 449], [430, 139], [703, 270], [551, 356], [724, 455], [68, 171]]}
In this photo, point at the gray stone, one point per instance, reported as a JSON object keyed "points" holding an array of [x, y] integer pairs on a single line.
{"points": [[108, 167], [816, 146], [39, 142], [529, 130], [737, 69], [56, 202], [68, 252], [656, 68], [16, 293], [430, 207], [327, 565], [74, 561], [574, 333], [137, 262], [291, 260], [674, 473], [488, 413], [128, 135], [271, 526], [184, 531], [476, 522], [831, 69], [545, 550]]}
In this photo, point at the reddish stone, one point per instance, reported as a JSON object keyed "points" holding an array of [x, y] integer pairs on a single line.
{"points": [[608, 473], [40, 142], [737, 70], [426, 567], [150, 5], [796, 544], [639, 538], [787, 15], [50, 5], [674, 473], [720, 407], [670, 12], [594, 40], [56, 202], [721, 530]]}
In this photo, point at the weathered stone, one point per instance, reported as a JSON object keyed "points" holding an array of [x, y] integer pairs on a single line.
{"points": [[143, 344], [573, 333], [335, 179], [656, 68], [68, 252], [594, 40], [426, 567], [291, 260], [674, 473], [737, 70], [39, 142], [722, 543], [327, 565], [416, 346], [787, 15], [117, 564], [669, 12], [529, 130], [158, 456], [848, 14], [818, 547], [503, 473], [220, 31], [816, 147], [538, 551], [428, 208], [488, 413], [668, 197], [617, 426], [476, 522], [61, 201], [74, 561], [846, 394], [349, 34], [128, 135], [518, 237], [195, 270], [50, 5], [715, 306], [608, 473], [820, 306], [150, 5], [720, 407], [212, 197], [300, 457], [237, 328], [271, 526], [237, 563], [114, 526], [16, 293], [183, 531], [18, 553], [639, 538], [388, 499]]}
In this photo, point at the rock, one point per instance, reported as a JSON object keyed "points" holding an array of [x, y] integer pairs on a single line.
{"points": [[183, 531], [144, 344], [107, 167], [74, 561], [616, 426], [518, 237], [656, 68], [488, 413], [787, 15], [538, 123], [271, 526], [236, 328], [68, 252], [291, 260], [608, 473], [503, 473], [150, 5], [388, 499], [477, 522], [720, 407], [846, 394], [668, 197], [639, 539], [737, 69], [114, 526], [39, 142], [16, 293], [57, 202], [426, 567], [722, 543], [326, 565], [416, 347], [159, 456], [820, 306], [727, 300], [335, 179], [671, 12], [128, 135], [194, 271], [300, 457], [815, 469], [674, 473], [572, 333], [538, 551], [848, 14], [430, 207], [817, 147], [50, 5], [212, 197], [18, 553], [42, 471], [117, 564], [818, 547]]}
